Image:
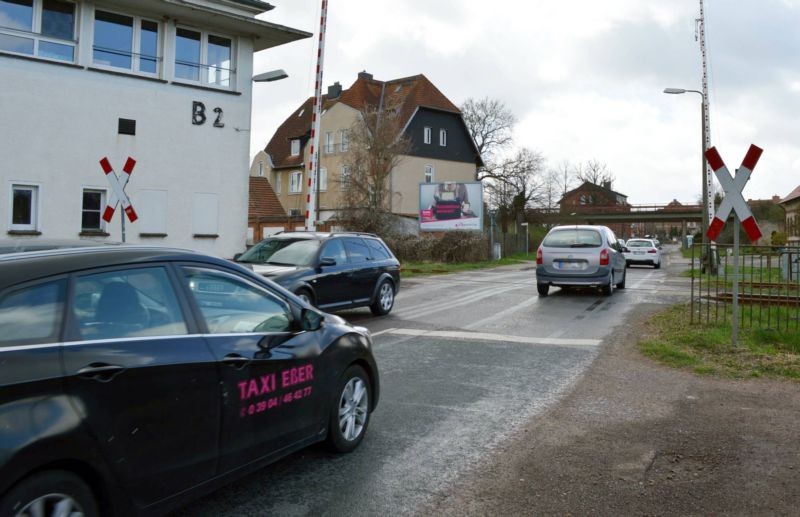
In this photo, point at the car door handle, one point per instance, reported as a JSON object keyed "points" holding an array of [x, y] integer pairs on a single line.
{"points": [[235, 360], [100, 372]]}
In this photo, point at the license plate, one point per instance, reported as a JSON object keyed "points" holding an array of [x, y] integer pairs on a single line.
{"points": [[567, 265], [638, 252]]}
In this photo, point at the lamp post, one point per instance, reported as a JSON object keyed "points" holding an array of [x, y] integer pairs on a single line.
{"points": [[707, 210], [272, 75]]}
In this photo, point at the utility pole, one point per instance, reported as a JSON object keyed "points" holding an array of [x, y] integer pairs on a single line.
{"points": [[708, 181], [316, 116]]}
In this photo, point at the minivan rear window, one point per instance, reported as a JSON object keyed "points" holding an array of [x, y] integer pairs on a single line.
{"points": [[573, 238]]}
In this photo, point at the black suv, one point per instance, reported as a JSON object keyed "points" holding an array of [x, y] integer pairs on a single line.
{"points": [[134, 378], [332, 271]]}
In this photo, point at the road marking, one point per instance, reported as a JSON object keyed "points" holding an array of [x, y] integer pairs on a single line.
{"points": [[502, 314], [481, 336], [381, 332], [426, 309]]}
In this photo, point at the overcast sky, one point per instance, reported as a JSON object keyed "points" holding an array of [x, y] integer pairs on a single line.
{"points": [[584, 77]]}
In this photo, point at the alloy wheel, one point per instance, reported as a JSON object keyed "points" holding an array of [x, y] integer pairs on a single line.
{"points": [[52, 505], [386, 296], [353, 407]]}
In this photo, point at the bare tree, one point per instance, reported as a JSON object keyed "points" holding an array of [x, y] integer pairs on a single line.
{"points": [[595, 172], [520, 185], [490, 123], [376, 147]]}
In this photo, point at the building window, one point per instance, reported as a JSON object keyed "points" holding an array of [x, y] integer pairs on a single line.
{"points": [[345, 136], [260, 169], [203, 57], [295, 182], [344, 176], [278, 182], [24, 207], [44, 28], [329, 143], [295, 147], [128, 42], [427, 135], [429, 174], [323, 179], [443, 137], [94, 201]]}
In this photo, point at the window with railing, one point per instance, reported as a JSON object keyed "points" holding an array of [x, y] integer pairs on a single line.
{"points": [[203, 58], [42, 28], [330, 144], [345, 137], [125, 42]]}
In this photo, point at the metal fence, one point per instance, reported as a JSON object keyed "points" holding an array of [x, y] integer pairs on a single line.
{"points": [[768, 276]]}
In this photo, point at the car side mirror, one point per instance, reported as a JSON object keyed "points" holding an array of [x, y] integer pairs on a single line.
{"points": [[327, 261], [311, 320], [237, 256], [625, 249]]}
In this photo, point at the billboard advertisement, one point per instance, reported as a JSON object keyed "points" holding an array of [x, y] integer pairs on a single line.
{"points": [[451, 205]]}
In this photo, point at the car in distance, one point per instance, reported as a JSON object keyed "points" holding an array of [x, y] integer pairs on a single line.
{"points": [[136, 378], [580, 256], [332, 271], [643, 251]]}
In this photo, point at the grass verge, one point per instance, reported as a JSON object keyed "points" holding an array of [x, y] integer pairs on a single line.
{"points": [[411, 269], [706, 349]]}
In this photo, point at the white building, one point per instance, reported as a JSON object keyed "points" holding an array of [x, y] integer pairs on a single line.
{"points": [[165, 82]]}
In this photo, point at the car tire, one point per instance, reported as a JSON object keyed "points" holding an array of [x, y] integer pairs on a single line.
{"points": [[608, 289], [306, 296], [657, 265], [52, 491], [384, 300], [621, 285], [543, 289], [349, 413]]}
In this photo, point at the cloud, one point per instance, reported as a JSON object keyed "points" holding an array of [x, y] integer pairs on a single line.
{"points": [[585, 78]]}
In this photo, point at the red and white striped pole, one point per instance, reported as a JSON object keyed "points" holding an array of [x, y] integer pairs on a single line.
{"points": [[316, 115]]}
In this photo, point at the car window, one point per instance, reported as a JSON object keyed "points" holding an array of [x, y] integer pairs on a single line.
{"points": [[640, 244], [32, 314], [357, 250], [126, 303], [573, 238], [377, 249], [232, 305], [282, 252], [335, 249]]}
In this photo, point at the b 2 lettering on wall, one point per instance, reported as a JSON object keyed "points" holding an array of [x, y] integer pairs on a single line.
{"points": [[199, 116]]}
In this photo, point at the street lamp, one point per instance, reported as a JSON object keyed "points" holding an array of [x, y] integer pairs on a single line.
{"points": [[706, 214], [272, 75]]}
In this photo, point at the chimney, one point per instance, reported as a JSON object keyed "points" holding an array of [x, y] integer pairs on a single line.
{"points": [[607, 185], [776, 199], [334, 90], [365, 75]]}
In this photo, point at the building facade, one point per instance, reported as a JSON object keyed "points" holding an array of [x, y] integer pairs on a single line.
{"points": [[589, 198], [791, 204], [165, 83], [441, 147]]}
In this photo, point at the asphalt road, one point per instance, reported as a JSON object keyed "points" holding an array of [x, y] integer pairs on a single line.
{"points": [[465, 360]]}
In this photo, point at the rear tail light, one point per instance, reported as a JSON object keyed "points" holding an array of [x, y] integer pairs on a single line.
{"points": [[539, 259], [652, 251], [604, 257]]}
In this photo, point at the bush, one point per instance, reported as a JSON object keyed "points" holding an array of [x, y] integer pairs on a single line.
{"points": [[451, 247]]}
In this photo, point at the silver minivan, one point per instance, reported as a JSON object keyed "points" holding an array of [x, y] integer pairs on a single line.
{"points": [[580, 256]]}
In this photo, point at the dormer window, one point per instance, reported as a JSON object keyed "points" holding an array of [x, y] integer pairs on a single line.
{"points": [[295, 147]]}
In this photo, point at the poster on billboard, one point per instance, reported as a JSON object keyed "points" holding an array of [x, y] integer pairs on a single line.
{"points": [[451, 205]]}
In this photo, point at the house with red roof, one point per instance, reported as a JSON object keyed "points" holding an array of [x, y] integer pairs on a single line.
{"points": [[441, 146]]}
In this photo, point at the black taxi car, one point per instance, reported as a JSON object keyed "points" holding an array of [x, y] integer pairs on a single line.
{"points": [[332, 271], [133, 379]]}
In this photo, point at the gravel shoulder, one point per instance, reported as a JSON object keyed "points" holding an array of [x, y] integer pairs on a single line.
{"points": [[637, 438]]}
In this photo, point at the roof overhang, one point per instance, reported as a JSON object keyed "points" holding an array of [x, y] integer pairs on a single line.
{"points": [[237, 19]]}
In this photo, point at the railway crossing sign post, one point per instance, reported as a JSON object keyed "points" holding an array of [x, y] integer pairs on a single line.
{"points": [[118, 192], [734, 201]]}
